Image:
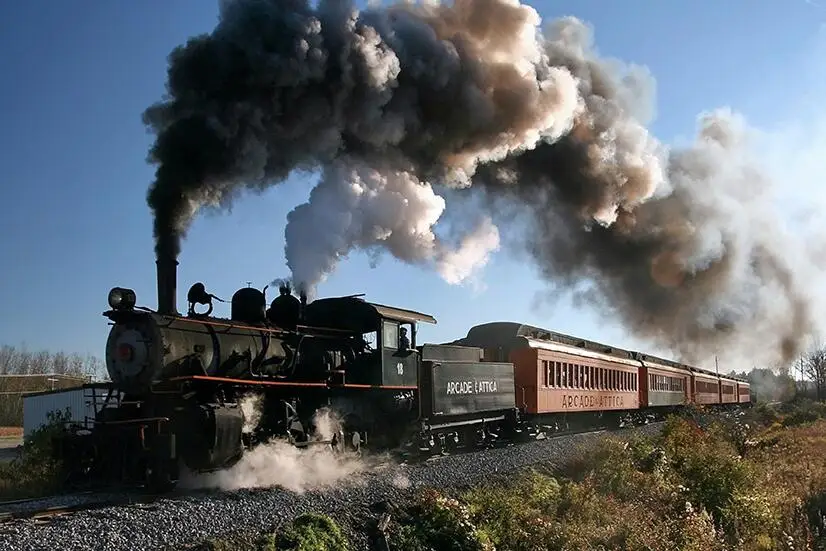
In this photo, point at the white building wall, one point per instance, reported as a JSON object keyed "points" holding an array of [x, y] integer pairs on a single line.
{"points": [[36, 407]]}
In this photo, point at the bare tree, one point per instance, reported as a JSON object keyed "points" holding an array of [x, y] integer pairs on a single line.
{"points": [[19, 361], [812, 366], [70, 370]]}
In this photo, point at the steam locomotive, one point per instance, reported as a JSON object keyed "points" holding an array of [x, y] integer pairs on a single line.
{"points": [[179, 383]]}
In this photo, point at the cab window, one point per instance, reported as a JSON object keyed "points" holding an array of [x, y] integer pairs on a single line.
{"points": [[390, 334]]}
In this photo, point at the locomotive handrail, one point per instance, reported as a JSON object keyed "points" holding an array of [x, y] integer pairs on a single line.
{"points": [[132, 421], [289, 383], [229, 325], [245, 381]]}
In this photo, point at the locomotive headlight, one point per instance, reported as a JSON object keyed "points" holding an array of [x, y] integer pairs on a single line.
{"points": [[122, 299]]}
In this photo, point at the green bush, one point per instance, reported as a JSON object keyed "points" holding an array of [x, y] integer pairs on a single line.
{"points": [[309, 532], [37, 472]]}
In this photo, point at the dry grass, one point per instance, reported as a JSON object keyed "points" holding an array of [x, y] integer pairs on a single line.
{"points": [[736, 485]]}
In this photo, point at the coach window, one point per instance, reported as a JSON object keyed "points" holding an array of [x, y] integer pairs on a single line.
{"points": [[557, 374]]}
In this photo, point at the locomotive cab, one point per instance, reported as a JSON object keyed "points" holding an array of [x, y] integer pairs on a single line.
{"points": [[384, 339]]}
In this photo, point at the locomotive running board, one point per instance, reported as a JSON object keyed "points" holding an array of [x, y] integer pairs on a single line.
{"points": [[466, 422], [294, 384]]}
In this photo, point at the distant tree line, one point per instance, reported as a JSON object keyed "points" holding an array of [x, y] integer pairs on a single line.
{"points": [[805, 377], [24, 371], [769, 385], [19, 361]]}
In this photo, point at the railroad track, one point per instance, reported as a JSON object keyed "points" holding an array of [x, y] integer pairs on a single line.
{"points": [[55, 511]]}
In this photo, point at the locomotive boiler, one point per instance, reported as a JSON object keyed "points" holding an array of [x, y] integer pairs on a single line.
{"points": [[145, 347]]}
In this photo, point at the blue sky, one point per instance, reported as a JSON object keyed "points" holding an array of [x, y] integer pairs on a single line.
{"points": [[76, 77]]}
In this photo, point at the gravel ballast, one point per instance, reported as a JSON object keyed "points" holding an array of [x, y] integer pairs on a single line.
{"points": [[173, 522]]}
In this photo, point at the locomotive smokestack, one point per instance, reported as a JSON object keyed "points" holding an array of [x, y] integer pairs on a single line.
{"points": [[167, 283]]}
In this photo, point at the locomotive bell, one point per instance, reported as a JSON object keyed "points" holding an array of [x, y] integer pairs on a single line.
{"points": [[249, 305]]}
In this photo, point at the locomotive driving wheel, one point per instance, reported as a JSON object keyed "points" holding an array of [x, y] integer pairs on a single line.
{"points": [[349, 437]]}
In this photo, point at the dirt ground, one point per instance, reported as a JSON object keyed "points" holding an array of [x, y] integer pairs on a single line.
{"points": [[11, 432], [10, 439]]}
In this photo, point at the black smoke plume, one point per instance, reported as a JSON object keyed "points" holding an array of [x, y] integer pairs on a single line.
{"points": [[393, 103]]}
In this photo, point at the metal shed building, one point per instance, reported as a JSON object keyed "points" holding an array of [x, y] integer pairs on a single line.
{"points": [[81, 402]]}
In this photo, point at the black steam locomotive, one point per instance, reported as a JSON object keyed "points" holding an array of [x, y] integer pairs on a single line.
{"points": [[178, 383]]}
